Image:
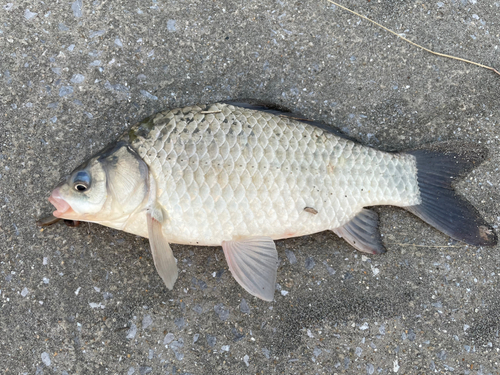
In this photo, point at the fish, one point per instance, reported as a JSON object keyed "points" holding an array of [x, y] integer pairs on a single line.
{"points": [[243, 174]]}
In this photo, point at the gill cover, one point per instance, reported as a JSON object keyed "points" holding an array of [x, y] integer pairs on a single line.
{"points": [[126, 178]]}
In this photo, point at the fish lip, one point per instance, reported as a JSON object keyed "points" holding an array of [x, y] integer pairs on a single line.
{"points": [[62, 207]]}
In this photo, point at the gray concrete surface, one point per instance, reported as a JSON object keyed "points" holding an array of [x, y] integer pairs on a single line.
{"points": [[74, 75]]}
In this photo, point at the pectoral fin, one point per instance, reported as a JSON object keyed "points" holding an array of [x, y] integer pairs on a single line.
{"points": [[162, 253], [253, 262], [362, 232]]}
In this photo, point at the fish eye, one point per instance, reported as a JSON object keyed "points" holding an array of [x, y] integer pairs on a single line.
{"points": [[80, 187], [82, 181]]}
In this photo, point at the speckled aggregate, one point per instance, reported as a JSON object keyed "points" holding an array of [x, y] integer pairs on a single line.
{"points": [[431, 304]]}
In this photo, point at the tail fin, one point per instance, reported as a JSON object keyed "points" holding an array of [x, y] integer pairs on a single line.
{"points": [[438, 166]]}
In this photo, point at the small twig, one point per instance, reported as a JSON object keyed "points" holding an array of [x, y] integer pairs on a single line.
{"points": [[415, 245], [415, 44], [47, 220], [210, 112]]}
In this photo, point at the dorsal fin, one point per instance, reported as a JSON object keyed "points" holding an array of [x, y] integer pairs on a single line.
{"points": [[282, 111]]}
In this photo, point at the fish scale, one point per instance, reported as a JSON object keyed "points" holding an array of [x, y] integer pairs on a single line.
{"points": [[225, 172]]}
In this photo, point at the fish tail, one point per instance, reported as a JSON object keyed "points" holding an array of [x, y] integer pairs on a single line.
{"points": [[438, 166]]}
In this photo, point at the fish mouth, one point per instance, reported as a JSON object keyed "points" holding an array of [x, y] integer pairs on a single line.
{"points": [[62, 207]]}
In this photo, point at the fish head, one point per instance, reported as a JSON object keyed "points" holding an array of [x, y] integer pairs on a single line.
{"points": [[82, 194], [109, 187]]}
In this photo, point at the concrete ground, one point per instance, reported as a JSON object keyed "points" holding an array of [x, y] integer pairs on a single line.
{"points": [[87, 300]]}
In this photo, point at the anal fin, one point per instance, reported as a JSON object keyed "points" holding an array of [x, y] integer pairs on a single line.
{"points": [[253, 262], [163, 256], [362, 232]]}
